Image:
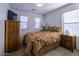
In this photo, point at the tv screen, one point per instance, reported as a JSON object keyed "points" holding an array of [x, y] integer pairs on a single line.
{"points": [[12, 15]]}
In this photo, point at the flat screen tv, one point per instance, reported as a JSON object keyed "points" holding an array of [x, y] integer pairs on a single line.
{"points": [[11, 15]]}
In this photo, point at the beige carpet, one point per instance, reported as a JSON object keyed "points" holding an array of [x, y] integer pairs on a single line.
{"points": [[62, 52], [57, 52]]}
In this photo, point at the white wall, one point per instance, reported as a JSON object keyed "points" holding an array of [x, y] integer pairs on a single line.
{"points": [[3, 16], [3, 10], [2, 37], [55, 17], [31, 17]]}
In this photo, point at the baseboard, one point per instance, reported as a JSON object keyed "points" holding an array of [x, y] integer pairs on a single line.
{"points": [[2, 54]]}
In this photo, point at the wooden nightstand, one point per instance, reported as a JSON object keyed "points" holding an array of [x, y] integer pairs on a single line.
{"points": [[68, 42]]}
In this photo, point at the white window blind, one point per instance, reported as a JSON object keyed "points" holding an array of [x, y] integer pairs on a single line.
{"points": [[37, 23], [71, 22], [23, 22]]}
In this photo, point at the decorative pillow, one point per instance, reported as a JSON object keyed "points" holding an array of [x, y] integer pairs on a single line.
{"points": [[51, 28], [55, 29]]}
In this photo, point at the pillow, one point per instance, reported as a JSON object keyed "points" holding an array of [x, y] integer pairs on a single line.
{"points": [[51, 28], [55, 29]]}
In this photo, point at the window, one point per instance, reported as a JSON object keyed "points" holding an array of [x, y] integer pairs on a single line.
{"points": [[72, 16], [71, 23], [37, 23], [23, 22]]}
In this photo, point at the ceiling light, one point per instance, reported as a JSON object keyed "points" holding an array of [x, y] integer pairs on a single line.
{"points": [[39, 4]]}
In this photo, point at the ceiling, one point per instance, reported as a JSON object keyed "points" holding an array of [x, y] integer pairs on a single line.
{"points": [[31, 7]]}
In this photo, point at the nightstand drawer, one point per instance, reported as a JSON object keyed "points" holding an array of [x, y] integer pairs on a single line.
{"points": [[69, 45]]}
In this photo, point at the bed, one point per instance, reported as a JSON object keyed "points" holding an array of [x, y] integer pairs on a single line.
{"points": [[39, 43]]}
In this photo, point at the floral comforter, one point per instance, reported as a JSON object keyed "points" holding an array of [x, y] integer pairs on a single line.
{"points": [[34, 41]]}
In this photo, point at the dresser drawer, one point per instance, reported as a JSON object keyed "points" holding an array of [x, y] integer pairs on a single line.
{"points": [[68, 42]]}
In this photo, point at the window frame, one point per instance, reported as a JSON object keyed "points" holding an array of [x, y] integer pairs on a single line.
{"points": [[26, 22], [37, 23], [64, 22]]}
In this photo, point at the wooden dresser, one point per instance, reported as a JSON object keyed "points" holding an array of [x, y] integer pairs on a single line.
{"points": [[12, 35], [68, 42]]}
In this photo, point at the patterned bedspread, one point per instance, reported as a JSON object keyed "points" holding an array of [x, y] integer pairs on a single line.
{"points": [[34, 41]]}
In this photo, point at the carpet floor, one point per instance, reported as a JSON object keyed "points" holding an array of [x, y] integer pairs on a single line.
{"points": [[60, 51]]}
